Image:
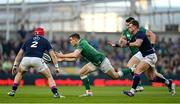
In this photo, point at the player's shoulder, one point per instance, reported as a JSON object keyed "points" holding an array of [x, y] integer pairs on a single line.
{"points": [[125, 30], [143, 29], [44, 39], [83, 41], [140, 33]]}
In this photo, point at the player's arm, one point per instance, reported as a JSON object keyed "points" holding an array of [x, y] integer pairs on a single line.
{"points": [[53, 56], [54, 59], [17, 61], [122, 41], [151, 36], [121, 44], [66, 59], [137, 43], [73, 55], [63, 59]]}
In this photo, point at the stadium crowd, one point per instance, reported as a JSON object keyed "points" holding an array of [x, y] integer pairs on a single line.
{"points": [[168, 53]]}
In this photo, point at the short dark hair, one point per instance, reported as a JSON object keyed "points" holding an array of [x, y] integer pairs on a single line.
{"points": [[75, 35], [129, 19], [135, 23]]}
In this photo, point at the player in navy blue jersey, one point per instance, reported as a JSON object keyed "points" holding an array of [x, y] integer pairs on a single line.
{"points": [[147, 64], [30, 56]]}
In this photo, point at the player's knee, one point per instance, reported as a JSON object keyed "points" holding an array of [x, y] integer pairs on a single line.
{"points": [[47, 75], [137, 72], [82, 73], [21, 72], [128, 65], [115, 76]]}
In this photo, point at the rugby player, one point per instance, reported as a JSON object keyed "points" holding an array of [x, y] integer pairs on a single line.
{"points": [[95, 58], [30, 56], [147, 63]]}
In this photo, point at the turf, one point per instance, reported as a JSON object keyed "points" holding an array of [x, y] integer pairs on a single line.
{"points": [[103, 95]]}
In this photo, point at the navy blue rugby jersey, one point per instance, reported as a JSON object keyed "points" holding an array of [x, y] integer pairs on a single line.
{"points": [[36, 46], [146, 47]]}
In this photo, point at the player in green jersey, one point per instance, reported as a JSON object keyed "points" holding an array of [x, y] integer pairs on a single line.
{"points": [[137, 56], [95, 58]]}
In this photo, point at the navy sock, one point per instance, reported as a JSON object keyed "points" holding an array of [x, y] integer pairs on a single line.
{"points": [[54, 89], [158, 79], [136, 79], [15, 86], [132, 73]]}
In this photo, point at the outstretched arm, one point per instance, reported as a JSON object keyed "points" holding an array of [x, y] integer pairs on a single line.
{"points": [[71, 55], [122, 42], [66, 59]]}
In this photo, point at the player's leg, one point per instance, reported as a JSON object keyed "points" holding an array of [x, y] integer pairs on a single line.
{"points": [[141, 67], [132, 63], [147, 62], [42, 68], [46, 72], [154, 76], [85, 70], [134, 60], [107, 68], [17, 80], [23, 67]]}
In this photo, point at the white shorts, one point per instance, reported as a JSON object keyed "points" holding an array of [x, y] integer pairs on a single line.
{"points": [[104, 67], [33, 62], [138, 55], [151, 59]]}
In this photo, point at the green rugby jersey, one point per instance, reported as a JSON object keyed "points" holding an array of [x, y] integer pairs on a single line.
{"points": [[89, 52], [128, 36]]}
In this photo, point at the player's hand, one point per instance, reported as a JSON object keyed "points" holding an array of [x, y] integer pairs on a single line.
{"points": [[59, 54], [122, 42], [58, 71], [14, 69], [111, 43]]}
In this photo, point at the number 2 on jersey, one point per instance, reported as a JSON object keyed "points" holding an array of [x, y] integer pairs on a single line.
{"points": [[34, 45]]}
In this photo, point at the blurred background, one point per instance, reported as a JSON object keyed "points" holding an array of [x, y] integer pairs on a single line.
{"points": [[99, 21]]}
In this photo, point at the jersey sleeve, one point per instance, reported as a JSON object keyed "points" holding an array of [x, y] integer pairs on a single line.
{"points": [[140, 35], [49, 47], [143, 30], [124, 31], [24, 46], [80, 47]]}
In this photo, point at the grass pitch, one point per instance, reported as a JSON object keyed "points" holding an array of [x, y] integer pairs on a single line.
{"points": [[103, 95]]}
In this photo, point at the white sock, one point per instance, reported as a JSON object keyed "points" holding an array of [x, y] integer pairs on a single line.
{"points": [[83, 77], [133, 67], [132, 90], [166, 82], [120, 73], [88, 92]]}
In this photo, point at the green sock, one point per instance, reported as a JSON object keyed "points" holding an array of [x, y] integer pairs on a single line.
{"points": [[126, 71], [86, 82], [139, 84]]}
